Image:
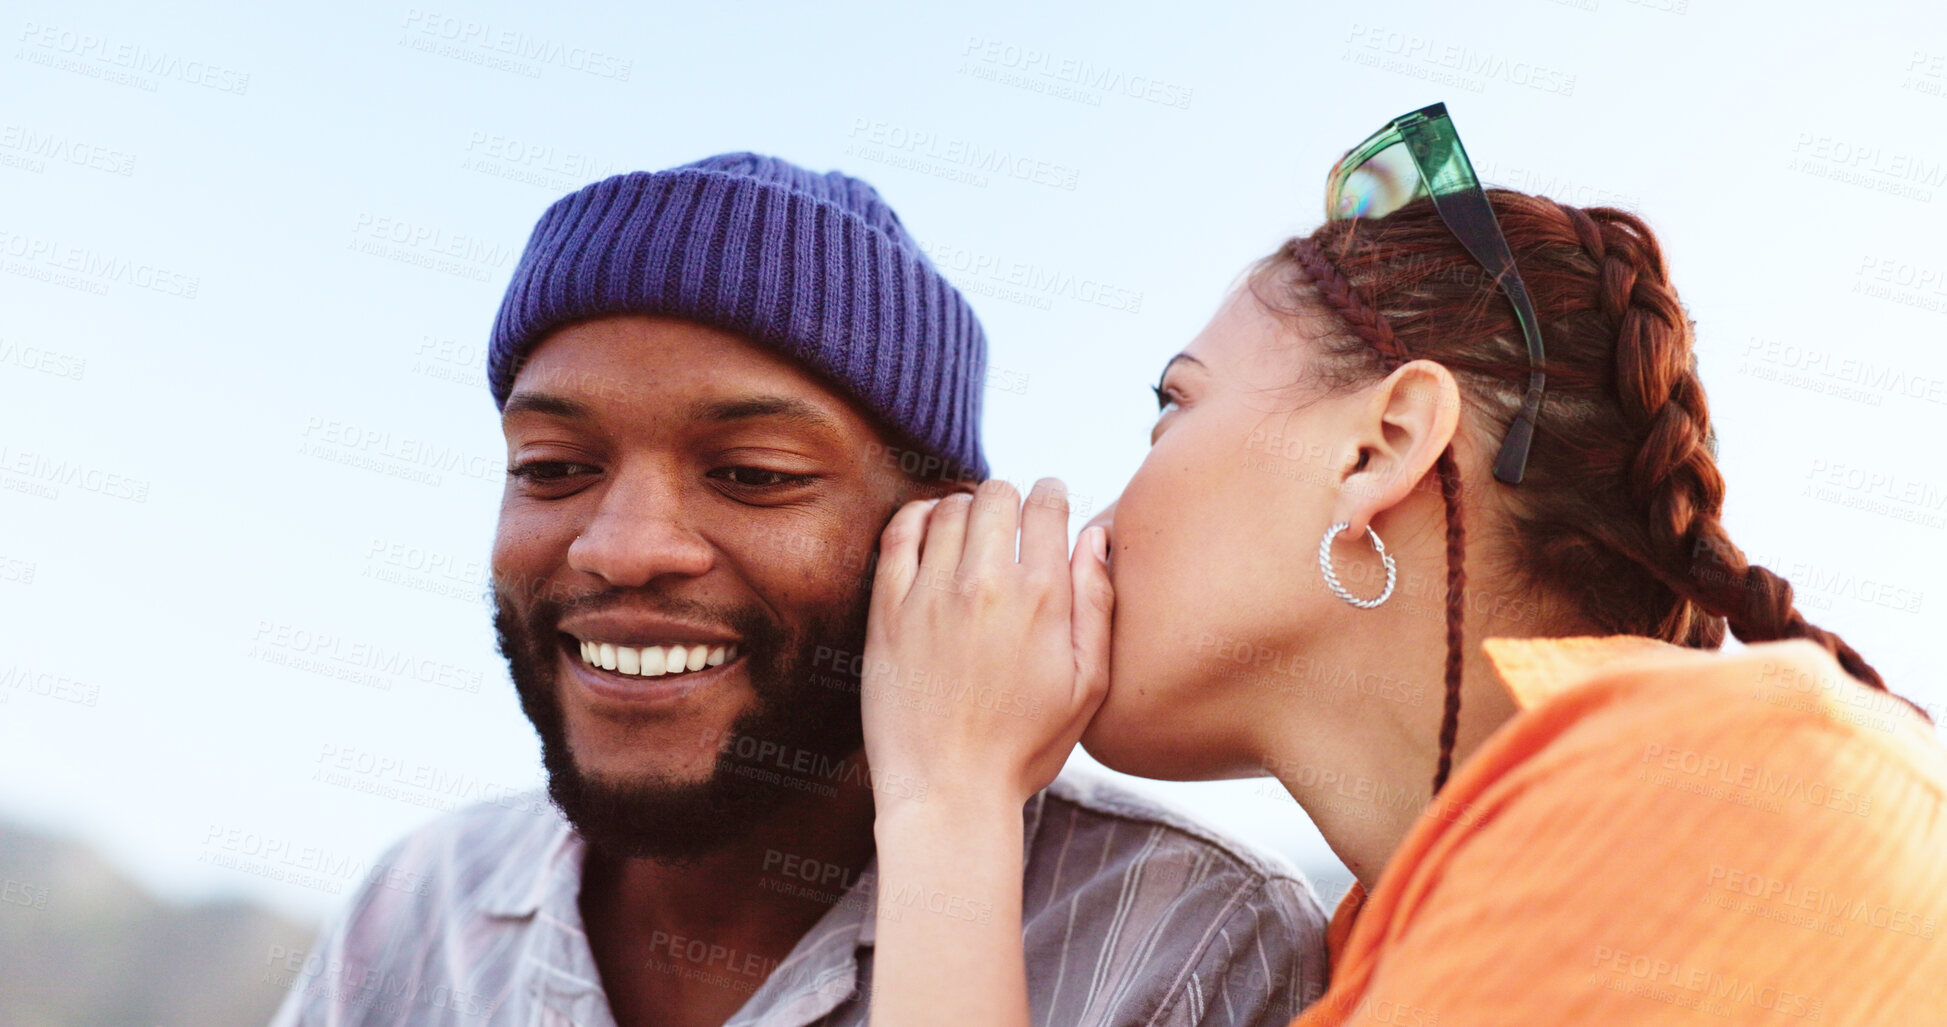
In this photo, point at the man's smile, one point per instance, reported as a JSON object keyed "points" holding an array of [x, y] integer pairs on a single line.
{"points": [[652, 674]]}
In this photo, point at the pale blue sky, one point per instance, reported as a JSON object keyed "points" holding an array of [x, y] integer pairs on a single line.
{"points": [[197, 327]]}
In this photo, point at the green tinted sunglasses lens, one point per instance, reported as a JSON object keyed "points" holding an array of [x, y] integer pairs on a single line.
{"points": [[1382, 181]]}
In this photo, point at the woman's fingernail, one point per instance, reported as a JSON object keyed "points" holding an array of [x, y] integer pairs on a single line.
{"points": [[1100, 542]]}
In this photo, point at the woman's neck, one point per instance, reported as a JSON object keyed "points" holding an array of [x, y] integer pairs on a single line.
{"points": [[1362, 765]]}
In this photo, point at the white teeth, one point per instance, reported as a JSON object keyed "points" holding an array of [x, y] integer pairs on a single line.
{"points": [[655, 661]]}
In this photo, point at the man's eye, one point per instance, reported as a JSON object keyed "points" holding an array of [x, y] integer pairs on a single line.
{"points": [[758, 477], [537, 471]]}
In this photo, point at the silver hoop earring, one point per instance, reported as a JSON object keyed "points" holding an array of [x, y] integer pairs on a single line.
{"points": [[1332, 578]]}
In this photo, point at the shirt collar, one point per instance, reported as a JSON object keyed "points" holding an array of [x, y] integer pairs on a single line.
{"points": [[537, 862], [1535, 670]]}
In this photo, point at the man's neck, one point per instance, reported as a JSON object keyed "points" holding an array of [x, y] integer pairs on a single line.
{"points": [[681, 944]]}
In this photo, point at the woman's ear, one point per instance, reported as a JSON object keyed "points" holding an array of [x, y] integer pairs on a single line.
{"points": [[1400, 431]]}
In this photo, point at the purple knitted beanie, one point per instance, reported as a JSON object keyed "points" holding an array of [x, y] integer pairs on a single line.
{"points": [[815, 266]]}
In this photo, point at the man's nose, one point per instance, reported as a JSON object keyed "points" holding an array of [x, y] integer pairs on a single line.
{"points": [[638, 534]]}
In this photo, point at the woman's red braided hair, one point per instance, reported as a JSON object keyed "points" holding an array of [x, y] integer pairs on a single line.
{"points": [[1622, 490], [1369, 325]]}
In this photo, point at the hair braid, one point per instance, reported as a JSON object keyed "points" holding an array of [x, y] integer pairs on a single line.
{"points": [[1456, 604], [1347, 301], [1364, 318], [1674, 473]]}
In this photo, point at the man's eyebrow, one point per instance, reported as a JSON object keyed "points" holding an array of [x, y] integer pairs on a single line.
{"points": [[783, 408], [546, 403]]}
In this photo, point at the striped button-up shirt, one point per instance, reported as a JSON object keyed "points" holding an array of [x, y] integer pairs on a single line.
{"points": [[1131, 915]]}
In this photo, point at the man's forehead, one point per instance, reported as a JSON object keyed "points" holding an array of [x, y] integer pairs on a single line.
{"points": [[631, 365]]}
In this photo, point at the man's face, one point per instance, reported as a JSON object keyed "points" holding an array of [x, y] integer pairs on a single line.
{"points": [[670, 487]]}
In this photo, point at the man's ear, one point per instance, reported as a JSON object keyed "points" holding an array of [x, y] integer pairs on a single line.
{"points": [[1408, 419], [937, 489]]}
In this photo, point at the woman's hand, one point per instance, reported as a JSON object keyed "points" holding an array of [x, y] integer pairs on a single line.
{"points": [[982, 668]]}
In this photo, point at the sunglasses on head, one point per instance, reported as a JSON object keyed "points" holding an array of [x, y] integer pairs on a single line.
{"points": [[1419, 154]]}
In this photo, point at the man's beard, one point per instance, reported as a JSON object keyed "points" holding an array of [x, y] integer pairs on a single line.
{"points": [[799, 710]]}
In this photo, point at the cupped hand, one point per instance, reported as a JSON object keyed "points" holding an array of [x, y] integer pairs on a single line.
{"points": [[981, 668]]}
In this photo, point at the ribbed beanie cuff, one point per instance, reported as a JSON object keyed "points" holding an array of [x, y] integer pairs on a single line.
{"points": [[816, 266]]}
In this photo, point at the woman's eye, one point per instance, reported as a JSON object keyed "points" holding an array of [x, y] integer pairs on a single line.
{"points": [[758, 477], [1165, 398]]}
